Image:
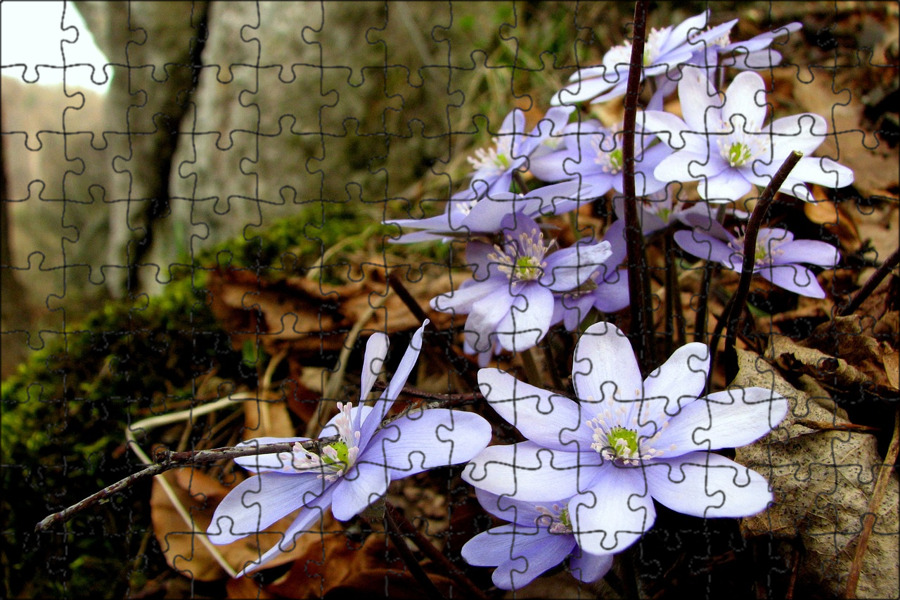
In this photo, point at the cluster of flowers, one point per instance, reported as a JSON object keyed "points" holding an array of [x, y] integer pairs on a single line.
{"points": [[584, 483]]}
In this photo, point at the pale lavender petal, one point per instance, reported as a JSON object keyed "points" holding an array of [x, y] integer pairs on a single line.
{"points": [[461, 300], [486, 315], [605, 366], [509, 509], [727, 419], [794, 278], [702, 484], [669, 128], [676, 383], [611, 294], [373, 420], [822, 171], [746, 96], [700, 98], [520, 554], [384, 403], [265, 462], [360, 486], [373, 363], [614, 513], [729, 185], [709, 248], [527, 320], [812, 252], [582, 90], [680, 33], [588, 567], [543, 417], [301, 525], [428, 439], [571, 267], [529, 472], [802, 133], [257, 502], [529, 557]]}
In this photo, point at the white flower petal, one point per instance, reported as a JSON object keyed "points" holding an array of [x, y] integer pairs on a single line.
{"points": [[265, 462], [675, 384], [615, 513], [589, 567], [300, 526], [726, 419], [745, 103], [529, 472], [702, 484], [361, 485], [543, 417], [794, 278], [528, 319], [605, 366], [257, 502], [428, 439], [373, 362]]}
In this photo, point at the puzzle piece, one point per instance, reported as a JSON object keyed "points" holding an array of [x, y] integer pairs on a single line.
{"points": [[212, 232]]}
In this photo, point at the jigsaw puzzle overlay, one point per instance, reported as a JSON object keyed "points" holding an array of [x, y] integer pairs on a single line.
{"points": [[444, 300]]}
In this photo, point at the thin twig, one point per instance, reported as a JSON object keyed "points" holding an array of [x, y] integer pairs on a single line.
{"points": [[435, 555], [638, 278], [747, 268], [884, 476], [869, 287], [166, 460]]}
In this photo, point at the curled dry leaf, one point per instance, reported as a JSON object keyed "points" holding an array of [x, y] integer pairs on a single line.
{"points": [[199, 493], [823, 481], [336, 566]]}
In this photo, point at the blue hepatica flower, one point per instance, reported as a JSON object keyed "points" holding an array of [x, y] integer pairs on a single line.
{"points": [[664, 51], [590, 153], [538, 538], [495, 165], [510, 300], [777, 260], [723, 144], [352, 472], [627, 442], [474, 211]]}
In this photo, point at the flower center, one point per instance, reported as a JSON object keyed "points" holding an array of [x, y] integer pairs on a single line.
{"points": [[557, 517], [521, 258], [738, 154], [490, 158], [337, 456], [767, 248], [620, 439], [653, 44], [610, 162]]}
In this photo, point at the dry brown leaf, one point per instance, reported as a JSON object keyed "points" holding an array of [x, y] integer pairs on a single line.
{"points": [[200, 494], [835, 220], [308, 317], [823, 482], [340, 567]]}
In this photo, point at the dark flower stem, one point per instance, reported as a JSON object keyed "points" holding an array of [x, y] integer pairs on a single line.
{"points": [[752, 231], [638, 277], [870, 285]]}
